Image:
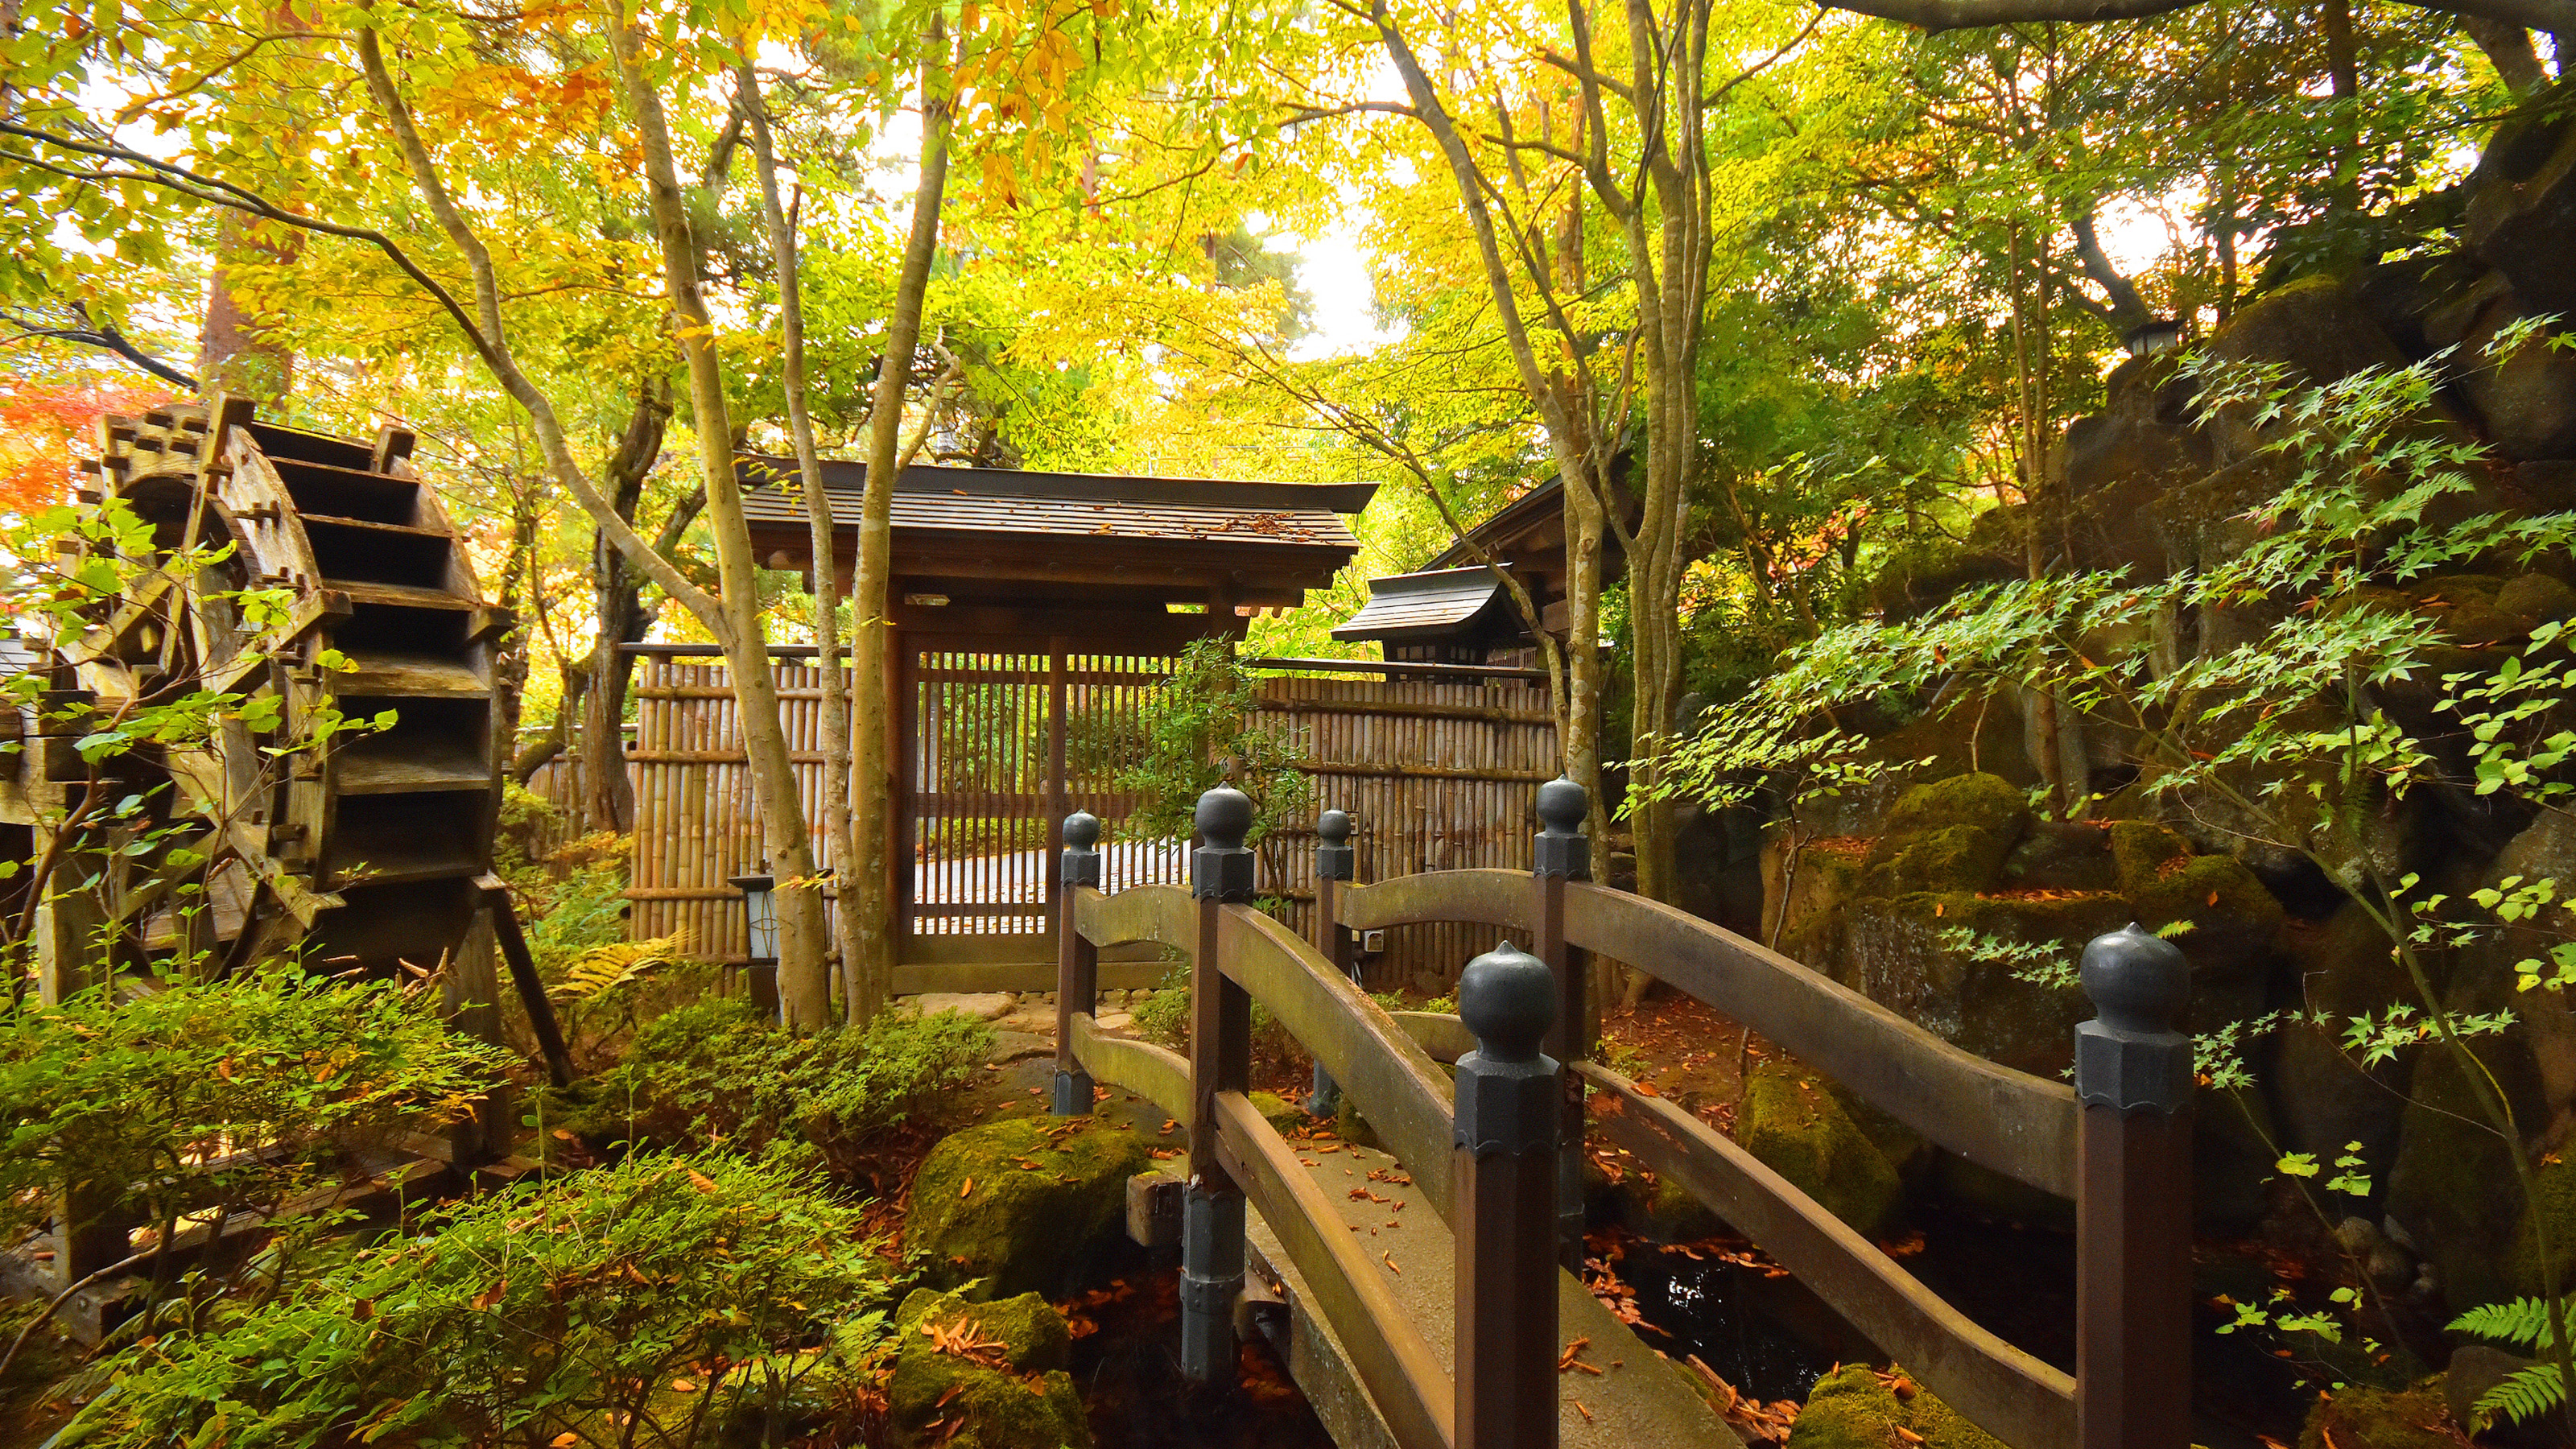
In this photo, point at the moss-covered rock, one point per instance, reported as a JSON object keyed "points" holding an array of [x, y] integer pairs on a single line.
{"points": [[1026, 1204], [2364, 1418], [1853, 1408], [2537, 598], [1987, 802], [2234, 919], [1899, 953], [1279, 1112], [1849, 1408], [1952, 858], [995, 1371], [1800, 1130]]}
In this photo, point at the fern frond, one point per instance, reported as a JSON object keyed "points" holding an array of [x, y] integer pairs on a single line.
{"points": [[603, 969], [2524, 1322], [2523, 1397]]}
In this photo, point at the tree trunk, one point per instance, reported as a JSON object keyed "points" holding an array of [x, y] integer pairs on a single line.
{"points": [[620, 613], [872, 979], [845, 857], [804, 978], [236, 352]]}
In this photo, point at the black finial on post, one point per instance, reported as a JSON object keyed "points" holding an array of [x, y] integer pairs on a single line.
{"points": [[1077, 969], [1081, 861], [1221, 868], [1503, 1186], [2133, 1205], [2129, 1056], [1335, 858], [1561, 848]]}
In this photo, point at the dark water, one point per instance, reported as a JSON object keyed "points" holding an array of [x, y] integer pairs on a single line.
{"points": [[1702, 1300], [1129, 1374]]}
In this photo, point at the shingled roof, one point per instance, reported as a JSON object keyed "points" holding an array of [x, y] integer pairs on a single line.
{"points": [[1415, 606], [929, 497]]}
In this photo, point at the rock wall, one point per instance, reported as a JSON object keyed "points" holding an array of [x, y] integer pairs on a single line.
{"points": [[1883, 895]]}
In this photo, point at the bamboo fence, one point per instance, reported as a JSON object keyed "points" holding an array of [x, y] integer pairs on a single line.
{"points": [[1436, 776]]}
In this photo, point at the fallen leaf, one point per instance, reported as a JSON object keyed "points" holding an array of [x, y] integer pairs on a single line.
{"points": [[684, 1386], [968, 1187]]}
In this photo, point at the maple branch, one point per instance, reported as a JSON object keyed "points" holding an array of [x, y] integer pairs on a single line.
{"points": [[2551, 15], [491, 342], [106, 338]]}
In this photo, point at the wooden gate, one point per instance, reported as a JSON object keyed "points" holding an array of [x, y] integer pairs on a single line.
{"points": [[1004, 744]]}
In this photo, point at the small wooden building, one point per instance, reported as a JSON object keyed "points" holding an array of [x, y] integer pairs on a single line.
{"points": [[1454, 611], [1033, 613]]}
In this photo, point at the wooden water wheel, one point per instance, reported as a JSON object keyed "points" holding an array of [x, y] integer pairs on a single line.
{"points": [[371, 848]]}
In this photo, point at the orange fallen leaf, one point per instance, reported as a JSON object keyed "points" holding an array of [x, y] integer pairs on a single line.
{"points": [[968, 1187], [1390, 1263], [684, 1386]]}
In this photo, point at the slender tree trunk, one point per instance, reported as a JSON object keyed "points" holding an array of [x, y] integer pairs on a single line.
{"points": [[237, 352], [872, 982], [620, 614], [845, 861], [804, 979]]}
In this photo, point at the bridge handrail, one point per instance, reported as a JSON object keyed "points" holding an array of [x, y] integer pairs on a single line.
{"points": [[1406, 1098], [1998, 1118], [1479, 894], [1388, 1353], [2010, 1122], [2008, 1393]]}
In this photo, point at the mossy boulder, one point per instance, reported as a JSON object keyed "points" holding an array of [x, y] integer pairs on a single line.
{"points": [[994, 1371], [1799, 1129], [1950, 835], [1986, 802], [1853, 1408], [2234, 919], [2537, 598], [1901, 954], [1282, 1114], [2365, 1418], [1027, 1204], [1952, 858]]}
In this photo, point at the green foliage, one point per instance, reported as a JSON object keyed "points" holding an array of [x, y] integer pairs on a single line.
{"points": [[665, 1302], [714, 1072], [233, 1093], [2528, 1393], [1201, 731]]}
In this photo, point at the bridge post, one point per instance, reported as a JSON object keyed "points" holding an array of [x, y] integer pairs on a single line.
{"points": [[1220, 1061], [1503, 1195], [2133, 1079], [1077, 961], [1335, 864], [1562, 853]]}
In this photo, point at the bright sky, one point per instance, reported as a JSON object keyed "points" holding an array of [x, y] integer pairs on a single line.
{"points": [[1334, 270]]}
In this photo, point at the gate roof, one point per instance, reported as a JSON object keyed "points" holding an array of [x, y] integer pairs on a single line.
{"points": [[1006, 536]]}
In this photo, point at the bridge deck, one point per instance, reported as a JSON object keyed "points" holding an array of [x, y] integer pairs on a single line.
{"points": [[1639, 1400]]}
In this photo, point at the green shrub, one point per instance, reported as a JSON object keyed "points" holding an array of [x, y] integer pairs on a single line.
{"points": [[713, 1071], [688, 1301], [226, 1094]]}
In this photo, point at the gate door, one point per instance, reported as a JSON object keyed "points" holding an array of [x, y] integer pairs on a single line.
{"points": [[1005, 740]]}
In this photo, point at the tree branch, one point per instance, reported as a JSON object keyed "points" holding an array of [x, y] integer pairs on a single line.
{"points": [[2553, 15]]}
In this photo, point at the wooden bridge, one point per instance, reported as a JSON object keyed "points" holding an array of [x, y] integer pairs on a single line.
{"points": [[1496, 1156]]}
